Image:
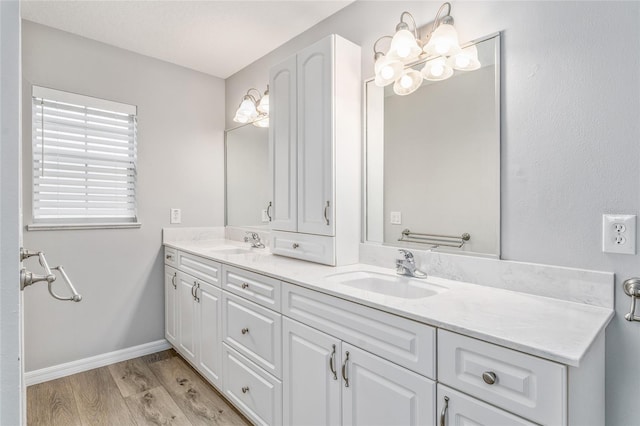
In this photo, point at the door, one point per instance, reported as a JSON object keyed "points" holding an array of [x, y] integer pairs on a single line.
{"points": [[378, 392], [187, 319], [315, 138], [311, 376], [283, 146], [209, 300], [170, 300], [12, 389]]}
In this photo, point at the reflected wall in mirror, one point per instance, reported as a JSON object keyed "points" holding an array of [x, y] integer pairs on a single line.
{"points": [[247, 176], [433, 158]]}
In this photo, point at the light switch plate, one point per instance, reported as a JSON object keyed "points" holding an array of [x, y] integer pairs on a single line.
{"points": [[396, 218], [619, 233], [176, 216]]}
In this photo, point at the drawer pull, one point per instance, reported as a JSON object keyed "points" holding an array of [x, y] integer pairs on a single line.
{"points": [[489, 377], [295, 245], [443, 413], [245, 389], [244, 330], [344, 370], [269, 210], [193, 288], [324, 213], [173, 280], [332, 363], [245, 285], [169, 257]]}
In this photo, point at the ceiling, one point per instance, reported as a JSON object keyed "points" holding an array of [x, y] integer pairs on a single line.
{"points": [[214, 37]]}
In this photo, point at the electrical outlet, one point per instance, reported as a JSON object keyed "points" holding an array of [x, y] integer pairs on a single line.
{"points": [[396, 218], [176, 216], [619, 233], [265, 216]]}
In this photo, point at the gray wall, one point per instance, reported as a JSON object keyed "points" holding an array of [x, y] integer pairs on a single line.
{"points": [[180, 164], [11, 397], [570, 132]]}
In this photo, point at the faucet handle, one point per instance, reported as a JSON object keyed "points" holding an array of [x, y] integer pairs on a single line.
{"points": [[407, 254]]}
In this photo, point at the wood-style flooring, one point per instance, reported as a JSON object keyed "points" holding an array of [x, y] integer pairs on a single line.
{"points": [[157, 389]]}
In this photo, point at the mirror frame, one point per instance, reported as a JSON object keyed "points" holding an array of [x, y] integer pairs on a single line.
{"points": [[365, 163]]}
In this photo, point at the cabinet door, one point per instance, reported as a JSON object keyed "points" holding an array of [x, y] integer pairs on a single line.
{"points": [[315, 138], [311, 376], [209, 299], [187, 319], [460, 409], [170, 300], [378, 392], [283, 145]]}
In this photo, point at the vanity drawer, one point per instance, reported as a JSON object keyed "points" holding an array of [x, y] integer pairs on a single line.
{"points": [[460, 408], [256, 393], [402, 341], [254, 331], [171, 256], [314, 248], [523, 384], [204, 269], [255, 287]]}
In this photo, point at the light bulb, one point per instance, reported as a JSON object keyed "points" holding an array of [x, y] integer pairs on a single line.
{"points": [[406, 81], [387, 72], [442, 47], [403, 51], [404, 46], [437, 70], [462, 61]]}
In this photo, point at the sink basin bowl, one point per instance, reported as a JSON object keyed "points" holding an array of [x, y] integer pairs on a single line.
{"points": [[388, 285], [230, 250]]}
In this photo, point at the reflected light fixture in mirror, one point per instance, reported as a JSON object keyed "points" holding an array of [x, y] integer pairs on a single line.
{"points": [[442, 42], [254, 109]]}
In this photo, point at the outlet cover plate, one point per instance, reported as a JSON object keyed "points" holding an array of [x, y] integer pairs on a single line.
{"points": [[396, 218], [176, 216], [619, 233]]}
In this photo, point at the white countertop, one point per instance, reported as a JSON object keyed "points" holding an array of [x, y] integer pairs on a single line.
{"points": [[554, 329]]}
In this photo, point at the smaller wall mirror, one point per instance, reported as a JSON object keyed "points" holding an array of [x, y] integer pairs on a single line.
{"points": [[247, 176], [433, 160]]}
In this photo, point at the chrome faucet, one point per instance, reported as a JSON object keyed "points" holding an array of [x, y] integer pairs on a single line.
{"points": [[254, 239], [407, 265]]}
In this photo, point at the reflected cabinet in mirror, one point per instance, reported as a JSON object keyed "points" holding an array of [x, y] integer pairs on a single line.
{"points": [[247, 176], [433, 160]]}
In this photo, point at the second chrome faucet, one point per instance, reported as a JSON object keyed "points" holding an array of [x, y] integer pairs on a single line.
{"points": [[407, 265]]}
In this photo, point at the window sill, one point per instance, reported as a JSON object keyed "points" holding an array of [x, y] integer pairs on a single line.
{"points": [[79, 226]]}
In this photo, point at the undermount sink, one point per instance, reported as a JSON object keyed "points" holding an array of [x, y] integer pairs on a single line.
{"points": [[387, 284], [230, 250]]}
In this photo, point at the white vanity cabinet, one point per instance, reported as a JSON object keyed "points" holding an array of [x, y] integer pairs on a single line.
{"points": [[170, 304], [314, 153]]}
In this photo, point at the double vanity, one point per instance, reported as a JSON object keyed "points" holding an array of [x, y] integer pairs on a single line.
{"points": [[292, 342]]}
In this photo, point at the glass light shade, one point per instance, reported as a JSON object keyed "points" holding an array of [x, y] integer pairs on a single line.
{"points": [[387, 70], [443, 41], [409, 82], [263, 105], [240, 118], [437, 70], [467, 60], [261, 121], [404, 47]]}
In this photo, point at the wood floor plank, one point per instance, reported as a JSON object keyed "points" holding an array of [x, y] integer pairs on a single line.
{"points": [[197, 399], [155, 407], [133, 376], [99, 400], [159, 356], [52, 404]]}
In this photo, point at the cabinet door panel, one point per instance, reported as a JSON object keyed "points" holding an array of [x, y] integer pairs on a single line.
{"points": [[170, 299], [209, 332], [187, 320], [315, 138], [283, 145], [382, 393], [311, 390]]}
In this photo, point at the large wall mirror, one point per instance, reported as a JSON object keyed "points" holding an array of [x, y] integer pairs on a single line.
{"points": [[247, 176], [433, 160]]}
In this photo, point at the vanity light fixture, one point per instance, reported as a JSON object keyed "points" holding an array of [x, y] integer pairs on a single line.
{"points": [[253, 109], [441, 44]]}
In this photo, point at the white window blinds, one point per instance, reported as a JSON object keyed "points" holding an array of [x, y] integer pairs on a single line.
{"points": [[84, 159]]}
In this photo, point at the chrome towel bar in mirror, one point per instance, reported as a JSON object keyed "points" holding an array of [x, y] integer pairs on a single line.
{"points": [[28, 278], [435, 239]]}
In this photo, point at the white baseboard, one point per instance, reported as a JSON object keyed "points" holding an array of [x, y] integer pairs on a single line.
{"points": [[73, 367]]}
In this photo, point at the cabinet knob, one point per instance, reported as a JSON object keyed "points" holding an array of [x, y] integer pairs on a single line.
{"points": [[295, 245], [169, 257], [489, 377], [244, 330], [245, 285], [245, 389]]}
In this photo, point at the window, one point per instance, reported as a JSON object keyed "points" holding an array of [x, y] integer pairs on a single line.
{"points": [[84, 161]]}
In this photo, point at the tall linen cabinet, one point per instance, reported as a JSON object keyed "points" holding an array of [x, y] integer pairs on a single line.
{"points": [[315, 153]]}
